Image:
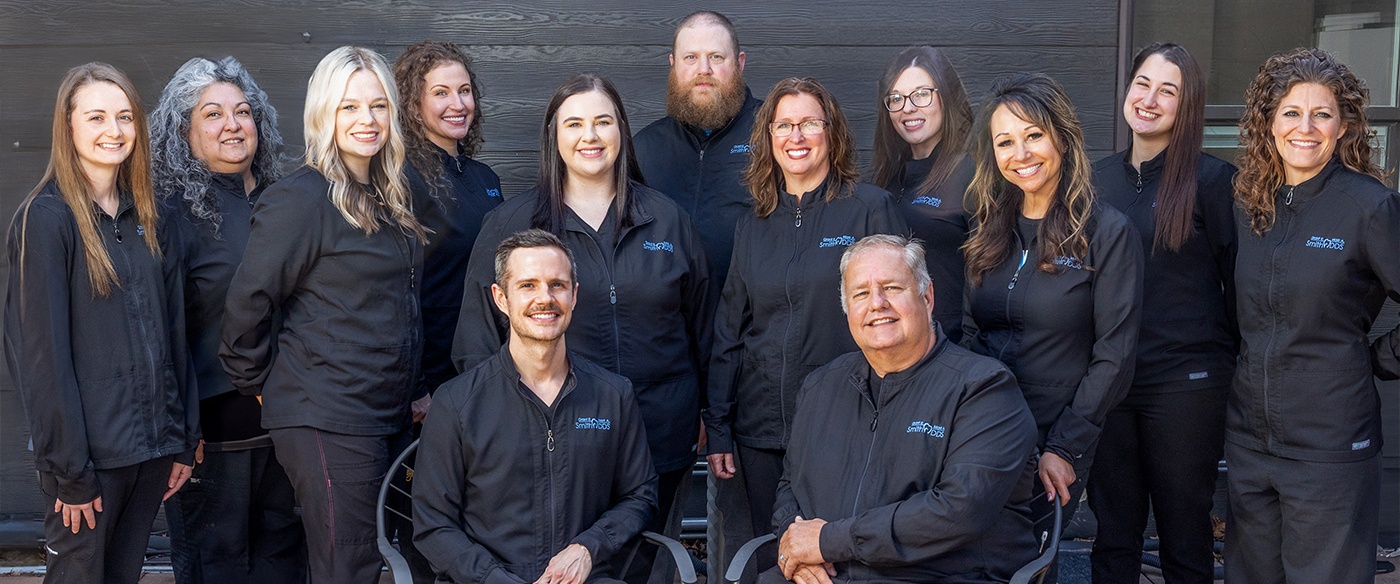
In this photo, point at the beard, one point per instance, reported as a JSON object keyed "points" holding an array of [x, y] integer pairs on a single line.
{"points": [[710, 110]]}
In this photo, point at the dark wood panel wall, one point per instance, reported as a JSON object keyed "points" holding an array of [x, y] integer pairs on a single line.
{"points": [[523, 51]]}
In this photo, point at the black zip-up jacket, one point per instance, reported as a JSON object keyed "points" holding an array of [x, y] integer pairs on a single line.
{"points": [[1188, 339], [105, 380], [454, 218], [780, 315], [345, 358], [644, 310], [703, 174], [926, 481], [940, 220], [210, 258], [504, 482], [1070, 337], [1308, 291]]}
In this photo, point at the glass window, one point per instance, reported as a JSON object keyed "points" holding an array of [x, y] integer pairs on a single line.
{"points": [[1223, 141]]}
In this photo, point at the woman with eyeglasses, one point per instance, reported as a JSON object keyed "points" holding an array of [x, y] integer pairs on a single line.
{"points": [[780, 317], [920, 156]]}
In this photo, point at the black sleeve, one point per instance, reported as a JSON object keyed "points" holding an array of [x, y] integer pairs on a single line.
{"points": [[698, 305], [633, 487], [885, 218], [174, 246], [1117, 305], [43, 246], [481, 328], [990, 444], [1219, 215], [786, 509], [437, 501], [286, 232], [1381, 245], [733, 316]]}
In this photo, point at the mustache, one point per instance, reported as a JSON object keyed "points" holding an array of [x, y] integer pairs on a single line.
{"points": [[543, 308]]}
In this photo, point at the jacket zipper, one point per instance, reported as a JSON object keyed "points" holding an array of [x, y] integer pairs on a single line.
{"points": [[1025, 254], [869, 453], [1273, 326], [787, 330], [141, 327]]}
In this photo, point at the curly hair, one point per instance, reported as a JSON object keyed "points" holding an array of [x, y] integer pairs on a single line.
{"points": [[410, 69], [891, 151], [174, 169], [764, 177], [1261, 168], [996, 202]]}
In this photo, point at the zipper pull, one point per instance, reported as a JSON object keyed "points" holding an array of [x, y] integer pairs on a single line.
{"points": [[1139, 183], [118, 230], [1287, 200], [411, 277], [612, 294], [799, 217], [1017, 275], [549, 443], [875, 420]]}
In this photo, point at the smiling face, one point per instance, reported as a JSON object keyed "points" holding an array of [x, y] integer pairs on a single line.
{"points": [[889, 318], [361, 123], [1306, 127], [1153, 98], [447, 105], [538, 294], [587, 135], [704, 64], [921, 127], [104, 127], [1026, 153], [223, 134], [804, 159]]}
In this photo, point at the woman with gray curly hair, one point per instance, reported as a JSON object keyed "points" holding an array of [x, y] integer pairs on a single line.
{"points": [[215, 147]]}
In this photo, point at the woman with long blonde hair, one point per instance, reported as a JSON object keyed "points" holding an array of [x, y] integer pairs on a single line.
{"points": [[94, 335], [322, 318]]}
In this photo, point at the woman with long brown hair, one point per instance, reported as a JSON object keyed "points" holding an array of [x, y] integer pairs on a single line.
{"points": [[774, 321], [920, 157], [1054, 279], [1161, 446], [1317, 256], [94, 335]]}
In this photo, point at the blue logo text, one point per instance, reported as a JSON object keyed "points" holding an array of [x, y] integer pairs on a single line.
{"points": [[593, 424], [741, 149], [930, 201], [493, 192], [841, 240], [658, 246], [1069, 262], [926, 428], [1335, 243]]}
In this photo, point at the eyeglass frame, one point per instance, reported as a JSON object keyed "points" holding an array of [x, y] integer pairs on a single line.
{"points": [[909, 97], [820, 125]]}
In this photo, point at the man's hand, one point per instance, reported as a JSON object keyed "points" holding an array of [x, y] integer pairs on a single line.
{"points": [[73, 515], [420, 408], [1057, 475], [721, 465], [801, 546], [814, 574], [570, 566], [179, 473]]}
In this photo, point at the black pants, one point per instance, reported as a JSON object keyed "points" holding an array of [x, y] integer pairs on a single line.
{"points": [[642, 560], [1163, 450], [113, 552], [1301, 522], [337, 479], [762, 469], [729, 524], [235, 521]]}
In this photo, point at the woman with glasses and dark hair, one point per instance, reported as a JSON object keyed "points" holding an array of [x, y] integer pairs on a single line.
{"points": [[214, 148], [322, 321], [1161, 446], [1054, 278], [1318, 241], [94, 335], [452, 192], [779, 314], [643, 310], [920, 156]]}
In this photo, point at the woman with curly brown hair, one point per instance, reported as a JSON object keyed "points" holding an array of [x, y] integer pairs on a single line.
{"points": [[1318, 235], [774, 324], [1054, 278]]}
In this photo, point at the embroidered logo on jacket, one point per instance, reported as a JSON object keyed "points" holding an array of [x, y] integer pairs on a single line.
{"points": [[1069, 262], [493, 193], [930, 201], [741, 149], [140, 229], [593, 424], [658, 246], [1360, 445], [839, 241], [926, 428], [1335, 243]]}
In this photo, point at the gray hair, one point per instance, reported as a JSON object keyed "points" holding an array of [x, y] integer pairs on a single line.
{"points": [[528, 239], [174, 170], [911, 248]]}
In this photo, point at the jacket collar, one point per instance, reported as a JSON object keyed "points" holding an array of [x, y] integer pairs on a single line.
{"points": [[1309, 189], [788, 202], [639, 214], [510, 372], [895, 382], [1151, 169], [456, 164]]}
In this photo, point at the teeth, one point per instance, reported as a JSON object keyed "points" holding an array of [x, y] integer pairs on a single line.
{"points": [[590, 151], [110, 146], [880, 321], [1030, 170], [1304, 143], [544, 316], [233, 141], [799, 153], [1148, 115], [912, 124], [455, 119]]}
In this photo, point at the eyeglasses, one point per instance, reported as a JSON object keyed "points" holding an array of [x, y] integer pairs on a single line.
{"points": [[921, 98], [808, 128]]}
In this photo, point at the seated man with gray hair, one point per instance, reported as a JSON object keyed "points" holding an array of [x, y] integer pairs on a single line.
{"points": [[912, 460]]}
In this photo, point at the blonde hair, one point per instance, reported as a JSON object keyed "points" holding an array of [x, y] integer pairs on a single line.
{"points": [[324, 92], [65, 169]]}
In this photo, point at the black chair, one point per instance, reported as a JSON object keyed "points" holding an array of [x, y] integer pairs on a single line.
{"points": [[396, 500], [1033, 571]]}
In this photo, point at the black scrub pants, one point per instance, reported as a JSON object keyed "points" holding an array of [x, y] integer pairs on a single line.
{"points": [[1301, 522], [113, 552], [762, 469], [1158, 449]]}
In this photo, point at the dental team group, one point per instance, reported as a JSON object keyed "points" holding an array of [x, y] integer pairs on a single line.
{"points": [[193, 318]]}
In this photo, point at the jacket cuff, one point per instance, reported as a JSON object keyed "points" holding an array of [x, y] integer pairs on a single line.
{"points": [[1071, 436], [836, 541], [186, 458], [594, 542], [718, 440], [1385, 356], [79, 490]]}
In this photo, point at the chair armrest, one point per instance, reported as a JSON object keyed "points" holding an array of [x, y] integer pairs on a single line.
{"points": [[741, 559], [684, 567]]}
